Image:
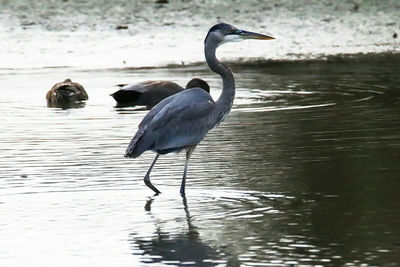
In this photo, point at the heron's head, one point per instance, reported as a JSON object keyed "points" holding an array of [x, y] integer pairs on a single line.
{"points": [[222, 33]]}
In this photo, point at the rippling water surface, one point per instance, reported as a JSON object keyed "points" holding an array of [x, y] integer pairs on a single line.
{"points": [[303, 172]]}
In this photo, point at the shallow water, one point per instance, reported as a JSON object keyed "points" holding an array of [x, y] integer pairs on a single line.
{"points": [[303, 172]]}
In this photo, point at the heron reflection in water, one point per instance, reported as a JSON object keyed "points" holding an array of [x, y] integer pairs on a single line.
{"points": [[181, 121], [182, 244]]}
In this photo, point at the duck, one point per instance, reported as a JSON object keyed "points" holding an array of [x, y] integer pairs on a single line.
{"points": [[66, 92], [150, 93]]}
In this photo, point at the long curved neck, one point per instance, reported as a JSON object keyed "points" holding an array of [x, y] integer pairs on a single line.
{"points": [[225, 101]]}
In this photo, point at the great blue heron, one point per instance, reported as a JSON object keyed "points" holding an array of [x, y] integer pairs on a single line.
{"points": [[150, 93], [181, 121], [66, 92]]}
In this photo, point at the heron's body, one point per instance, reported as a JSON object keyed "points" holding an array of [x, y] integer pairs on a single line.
{"points": [[175, 123], [66, 92], [150, 93], [181, 121]]}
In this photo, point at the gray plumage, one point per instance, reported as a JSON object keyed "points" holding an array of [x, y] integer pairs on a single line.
{"points": [[181, 121], [179, 117]]}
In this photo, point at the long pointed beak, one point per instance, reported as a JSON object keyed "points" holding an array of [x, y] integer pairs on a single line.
{"points": [[254, 35]]}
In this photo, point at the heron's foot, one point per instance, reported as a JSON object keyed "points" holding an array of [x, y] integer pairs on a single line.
{"points": [[150, 185]]}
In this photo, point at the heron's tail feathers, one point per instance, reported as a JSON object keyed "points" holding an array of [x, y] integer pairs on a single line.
{"points": [[138, 145]]}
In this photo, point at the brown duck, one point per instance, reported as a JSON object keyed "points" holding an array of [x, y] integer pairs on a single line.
{"points": [[150, 93], [66, 92]]}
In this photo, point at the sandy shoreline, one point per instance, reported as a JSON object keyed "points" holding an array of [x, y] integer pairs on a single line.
{"points": [[100, 34]]}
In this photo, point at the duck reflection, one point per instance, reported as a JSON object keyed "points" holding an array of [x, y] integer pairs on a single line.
{"points": [[66, 105], [176, 248]]}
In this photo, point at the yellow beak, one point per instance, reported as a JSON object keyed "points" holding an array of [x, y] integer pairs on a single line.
{"points": [[252, 35]]}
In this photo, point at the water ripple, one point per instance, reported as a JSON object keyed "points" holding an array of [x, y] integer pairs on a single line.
{"points": [[313, 183]]}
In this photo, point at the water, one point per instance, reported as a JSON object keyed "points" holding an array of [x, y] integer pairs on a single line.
{"points": [[303, 172]]}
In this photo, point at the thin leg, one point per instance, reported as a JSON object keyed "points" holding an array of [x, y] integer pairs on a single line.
{"points": [[188, 154], [147, 177]]}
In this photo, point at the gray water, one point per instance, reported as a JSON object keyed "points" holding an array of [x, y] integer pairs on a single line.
{"points": [[303, 172]]}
